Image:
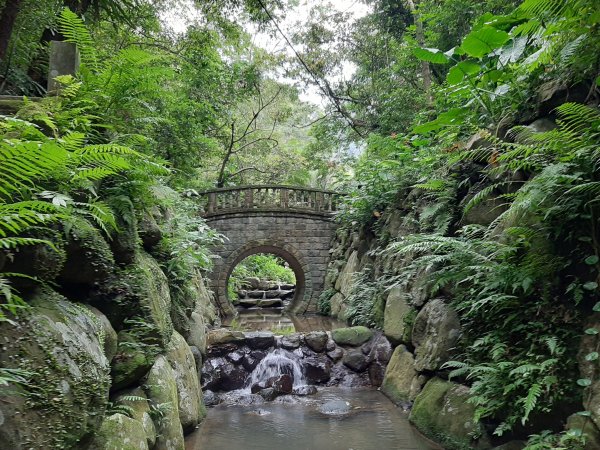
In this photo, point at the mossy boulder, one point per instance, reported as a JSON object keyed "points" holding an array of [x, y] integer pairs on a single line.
{"points": [[131, 362], [125, 242], [135, 399], [149, 231], [58, 347], [400, 380], [441, 412], [119, 432], [137, 298], [398, 317], [161, 389], [225, 336], [435, 333], [347, 274], [189, 394], [109, 335], [89, 257], [587, 428], [353, 336]]}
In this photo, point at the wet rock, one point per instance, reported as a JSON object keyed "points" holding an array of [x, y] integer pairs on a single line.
{"points": [[224, 336], [287, 287], [342, 376], [259, 340], [273, 293], [317, 370], [442, 412], [236, 357], [335, 408], [355, 360], [248, 302], [256, 294], [286, 294], [220, 374], [304, 390], [268, 394], [353, 336], [197, 358], [330, 346], [316, 340], [283, 384], [210, 398], [220, 350], [290, 342], [270, 303], [252, 359], [336, 354], [435, 333], [380, 354]]}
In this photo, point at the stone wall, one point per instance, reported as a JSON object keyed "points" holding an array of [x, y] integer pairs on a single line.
{"points": [[303, 240]]}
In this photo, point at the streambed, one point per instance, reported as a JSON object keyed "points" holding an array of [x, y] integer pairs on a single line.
{"points": [[333, 419]]}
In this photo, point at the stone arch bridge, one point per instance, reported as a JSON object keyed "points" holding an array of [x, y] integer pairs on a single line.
{"points": [[293, 223]]}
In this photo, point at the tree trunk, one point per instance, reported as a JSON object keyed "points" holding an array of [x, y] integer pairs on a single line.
{"points": [[7, 22], [420, 35]]}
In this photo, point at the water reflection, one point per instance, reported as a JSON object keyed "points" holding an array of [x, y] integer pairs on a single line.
{"points": [[371, 422], [276, 320]]}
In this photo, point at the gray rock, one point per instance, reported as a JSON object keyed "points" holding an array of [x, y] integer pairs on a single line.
{"points": [[252, 359], [336, 354], [397, 311], [316, 340], [161, 389], [210, 398], [119, 432], [137, 401], [259, 340], [236, 357], [355, 360], [317, 370], [335, 407], [435, 332], [290, 342], [397, 383], [268, 394], [304, 390]]}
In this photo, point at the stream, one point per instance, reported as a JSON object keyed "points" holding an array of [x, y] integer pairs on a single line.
{"points": [[333, 418]]}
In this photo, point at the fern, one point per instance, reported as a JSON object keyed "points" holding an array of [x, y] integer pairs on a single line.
{"points": [[75, 31]]}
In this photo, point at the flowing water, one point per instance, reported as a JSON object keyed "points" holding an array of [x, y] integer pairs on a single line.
{"points": [[277, 362], [333, 419]]}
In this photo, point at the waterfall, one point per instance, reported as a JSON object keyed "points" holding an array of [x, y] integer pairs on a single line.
{"points": [[278, 362]]}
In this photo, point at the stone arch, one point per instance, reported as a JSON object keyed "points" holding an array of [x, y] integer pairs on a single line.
{"points": [[301, 268]]}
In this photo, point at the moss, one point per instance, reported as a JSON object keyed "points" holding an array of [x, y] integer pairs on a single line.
{"points": [[132, 360], [89, 258], [409, 320], [352, 336], [66, 389], [442, 413], [119, 432]]}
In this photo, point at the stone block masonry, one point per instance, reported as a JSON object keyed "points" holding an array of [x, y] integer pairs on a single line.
{"points": [[302, 239]]}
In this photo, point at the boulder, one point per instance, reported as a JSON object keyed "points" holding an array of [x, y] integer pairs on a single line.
{"points": [[379, 356], [304, 390], [124, 242], [58, 343], [119, 432], [283, 384], [137, 297], [317, 370], [290, 342], [224, 336], [131, 362], [336, 354], [270, 303], [236, 357], [355, 360], [442, 413], [399, 376], [161, 389], [110, 335], [252, 359], [316, 340], [218, 374], [346, 277], [149, 231], [189, 395], [89, 257], [259, 340], [268, 394], [435, 332], [396, 323], [210, 398], [197, 335], [136, 400], [353, 336]]}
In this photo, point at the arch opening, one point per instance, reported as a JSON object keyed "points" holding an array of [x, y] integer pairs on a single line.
{"points": [[258, 297]]}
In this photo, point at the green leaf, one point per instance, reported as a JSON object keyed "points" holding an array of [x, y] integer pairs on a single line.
{"points": [[480, 42], [593, 356], [584, 413], [454, 116], [591, 331], [462, 69], [432, 55], [591, 260], [584, 382], [596, 307], [590, 286]]}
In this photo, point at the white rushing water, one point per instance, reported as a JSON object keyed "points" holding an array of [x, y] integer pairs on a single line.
{"points": [[277, 362]]}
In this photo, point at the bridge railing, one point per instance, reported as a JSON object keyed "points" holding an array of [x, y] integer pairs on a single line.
{"points": [[269, 197]]}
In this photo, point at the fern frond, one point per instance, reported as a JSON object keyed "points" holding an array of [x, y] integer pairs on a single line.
{"points": [[75, 31], [530, 401]]}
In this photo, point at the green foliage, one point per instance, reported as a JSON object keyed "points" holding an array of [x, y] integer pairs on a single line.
{"points": [[262, 266], [365, 301]]}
